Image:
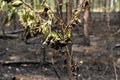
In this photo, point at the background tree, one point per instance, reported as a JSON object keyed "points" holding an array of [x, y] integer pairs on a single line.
{"points": [[86, 22], [58, 5]]}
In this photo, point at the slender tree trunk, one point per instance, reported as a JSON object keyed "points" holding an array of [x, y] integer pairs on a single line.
{"points": [[99, 6], [104, 5], [60, 7], [3, 31], [86, 18], [68, 11], [75, 3], [69, 16], [2, 26], [58, 4], [93, 5], [69, 47], [68, 63], [86, 24], [109, 4]]}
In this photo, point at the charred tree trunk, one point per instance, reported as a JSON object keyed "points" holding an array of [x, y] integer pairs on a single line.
{"points": [[60, 7], [14, 22], [86, 23], [104, 5], [2, 26], [114, 4]]}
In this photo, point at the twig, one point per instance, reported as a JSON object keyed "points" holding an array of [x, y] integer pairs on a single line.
{"points": [[117, 65], [56, 72], [117, 32], [116, 75], [80, 6], [105, 70], [27, 5]]}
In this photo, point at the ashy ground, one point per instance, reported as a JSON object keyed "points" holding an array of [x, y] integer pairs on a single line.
{"points": [[99, 61]]}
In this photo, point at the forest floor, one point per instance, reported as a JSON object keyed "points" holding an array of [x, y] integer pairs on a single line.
{"points": [[99, 61]]}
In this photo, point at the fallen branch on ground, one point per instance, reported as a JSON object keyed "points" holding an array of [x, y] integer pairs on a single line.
{"points": [[11, 36], [24, 62], [15, 31], [2, 53]]}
